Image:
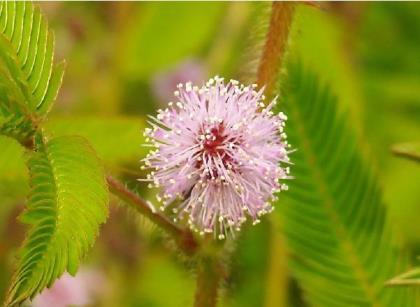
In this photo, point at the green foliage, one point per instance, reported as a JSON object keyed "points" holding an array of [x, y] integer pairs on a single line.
{"points": [[408, 150], [321, 50], [116, 139], [143, 292], [67, 203], [29, 80], [167, 34], [68, 199], [13, 177], [410, 278], [386, 52], [333, 215], [341, 250], [112, 138]]}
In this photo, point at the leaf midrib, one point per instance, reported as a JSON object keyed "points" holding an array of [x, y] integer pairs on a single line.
{"points": [[54, 233], [337, 225]]}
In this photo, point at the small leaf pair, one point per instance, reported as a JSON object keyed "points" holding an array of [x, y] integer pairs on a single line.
{"points": [[69, 196]]}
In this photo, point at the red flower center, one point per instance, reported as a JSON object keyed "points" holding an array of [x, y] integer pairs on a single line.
{"points": [[214, 140]]}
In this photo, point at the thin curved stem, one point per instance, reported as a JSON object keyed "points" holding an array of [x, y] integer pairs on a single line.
{"points": [[184, 238], [275, 45]]}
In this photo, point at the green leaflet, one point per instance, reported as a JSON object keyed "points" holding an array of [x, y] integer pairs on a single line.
{"points": [[333, 217], [67, 203], [410, 278], [29, 80]]}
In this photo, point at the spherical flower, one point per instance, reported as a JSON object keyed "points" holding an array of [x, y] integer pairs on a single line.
{"points": [[220, 151]]}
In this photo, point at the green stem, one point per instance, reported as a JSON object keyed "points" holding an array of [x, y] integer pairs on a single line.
{"points": [[275, 45], [184, 238], [409, 150], [209, 276], [277, 282]]}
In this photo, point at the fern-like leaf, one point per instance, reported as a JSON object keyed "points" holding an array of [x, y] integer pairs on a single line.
{"points": [[29, 80], [67, 204], [342, 250]]}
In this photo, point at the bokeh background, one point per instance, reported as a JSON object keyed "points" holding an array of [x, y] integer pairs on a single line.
{"points": [[124, 60]]}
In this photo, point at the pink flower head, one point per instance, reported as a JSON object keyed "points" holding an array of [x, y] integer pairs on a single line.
{"points": [[219, 150]]}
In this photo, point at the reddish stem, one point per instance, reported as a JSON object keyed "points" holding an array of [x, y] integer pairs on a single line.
{"points": [[275, 45], [184, 238]]}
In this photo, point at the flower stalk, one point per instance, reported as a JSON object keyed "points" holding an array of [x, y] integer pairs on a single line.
{"points": [[208, 280], [183, 237], [275, 45], [210, 273]]}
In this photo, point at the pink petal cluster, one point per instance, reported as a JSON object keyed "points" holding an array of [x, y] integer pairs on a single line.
{"points": [[219, 150]]}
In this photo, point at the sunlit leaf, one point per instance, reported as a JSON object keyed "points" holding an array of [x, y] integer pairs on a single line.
{"points": [[342, 247], [29, 79], [67, 203]]}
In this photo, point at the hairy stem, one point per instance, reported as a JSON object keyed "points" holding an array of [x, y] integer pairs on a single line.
{"points": [[209, 276], [210, 269], [184, 238], [275, 45]]}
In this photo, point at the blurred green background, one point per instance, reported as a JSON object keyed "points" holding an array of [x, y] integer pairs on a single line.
{"points": [[123, 61]]}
